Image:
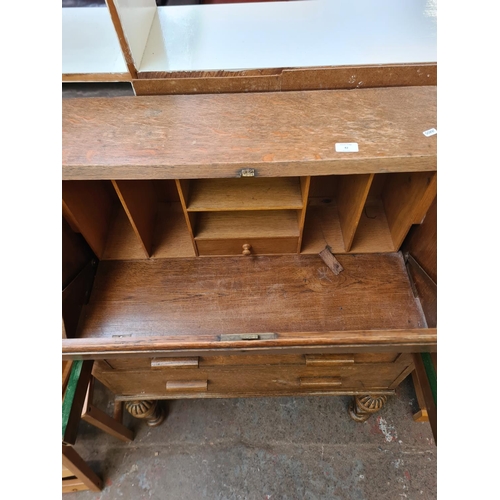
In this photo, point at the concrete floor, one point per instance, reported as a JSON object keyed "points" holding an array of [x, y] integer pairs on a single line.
{"points": [[266, 448], [269, 448]]}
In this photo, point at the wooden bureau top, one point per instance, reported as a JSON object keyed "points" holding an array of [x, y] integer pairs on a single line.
{"points": [[277, 134]]}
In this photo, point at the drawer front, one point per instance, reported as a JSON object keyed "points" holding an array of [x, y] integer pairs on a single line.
{"points": [[218, 381], [195, 362], [257, 246]]}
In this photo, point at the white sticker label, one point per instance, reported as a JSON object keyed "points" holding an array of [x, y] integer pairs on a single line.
{"points": [[431, 131], [346, 147]]}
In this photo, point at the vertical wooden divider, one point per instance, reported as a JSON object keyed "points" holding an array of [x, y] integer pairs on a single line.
{"points": [[88, 208], [406, 198], [138, 198], [127, 54], [352, 193], [305, 183], [183, 186]]}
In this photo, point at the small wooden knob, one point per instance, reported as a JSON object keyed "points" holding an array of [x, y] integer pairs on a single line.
{"points": [[246, 249]]}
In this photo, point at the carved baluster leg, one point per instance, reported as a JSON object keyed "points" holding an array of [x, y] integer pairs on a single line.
{"points": [[152, 411], [362, 407]]}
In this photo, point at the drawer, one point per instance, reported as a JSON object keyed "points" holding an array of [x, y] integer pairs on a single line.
{"points": [[222, 381], [256, 246], [194, 362]]}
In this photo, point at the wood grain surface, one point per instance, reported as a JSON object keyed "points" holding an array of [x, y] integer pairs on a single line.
{"points": [[74, 295], [188, 301], [277, 134], [256, 246], [421, 242], [305, 184], [122, 39], [364, 341], [425, 289], [121, 240], [96, 77], [322, 227], [352, 193], [243, 359], [75, 253], [88, 208], [425, 386], [214, 195], [329, 259], [406, 198], [86, 478], [138, 199], [247, 224], [265, 80], [241, 380]]}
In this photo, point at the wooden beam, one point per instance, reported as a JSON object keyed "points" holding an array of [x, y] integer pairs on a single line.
{"points": [[74, 462], [428, 385]]}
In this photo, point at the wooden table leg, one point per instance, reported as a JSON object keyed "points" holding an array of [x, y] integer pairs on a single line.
{"points": [[95, 416], [74, 462]]}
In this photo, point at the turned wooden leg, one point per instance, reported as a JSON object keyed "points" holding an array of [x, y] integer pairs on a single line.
{"points": [[152, 411], [362, 407]]}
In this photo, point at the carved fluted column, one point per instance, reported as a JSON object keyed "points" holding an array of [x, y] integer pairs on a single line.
{"points": [[152, 411]]}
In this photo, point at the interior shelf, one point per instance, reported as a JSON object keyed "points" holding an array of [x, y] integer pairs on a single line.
{"points": [[141, 219], [279, 193], [121, 242], [374, 220], [247, 224], [127, 221], [170, 240], [171, 236]]}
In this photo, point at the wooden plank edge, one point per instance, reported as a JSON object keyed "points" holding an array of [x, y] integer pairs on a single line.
{"points": [[421, 415], [127, 53], [74, 462], [75, 295], [340, 166], [424, 288], [427, 392], [73, 484], [286, 79], [294, 393], [96, 77], [412, 340], [74, 399]]}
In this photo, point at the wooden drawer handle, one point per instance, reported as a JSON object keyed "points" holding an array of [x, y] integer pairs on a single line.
{"points": [[247, 249], [159, 363], [187, 385], [329, 359], [320, 382]]}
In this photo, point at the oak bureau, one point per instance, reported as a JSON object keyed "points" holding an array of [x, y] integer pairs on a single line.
{"points": [[192, 233]]}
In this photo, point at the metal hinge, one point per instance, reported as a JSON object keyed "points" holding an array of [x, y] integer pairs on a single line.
{"points": [[247, 172]]}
